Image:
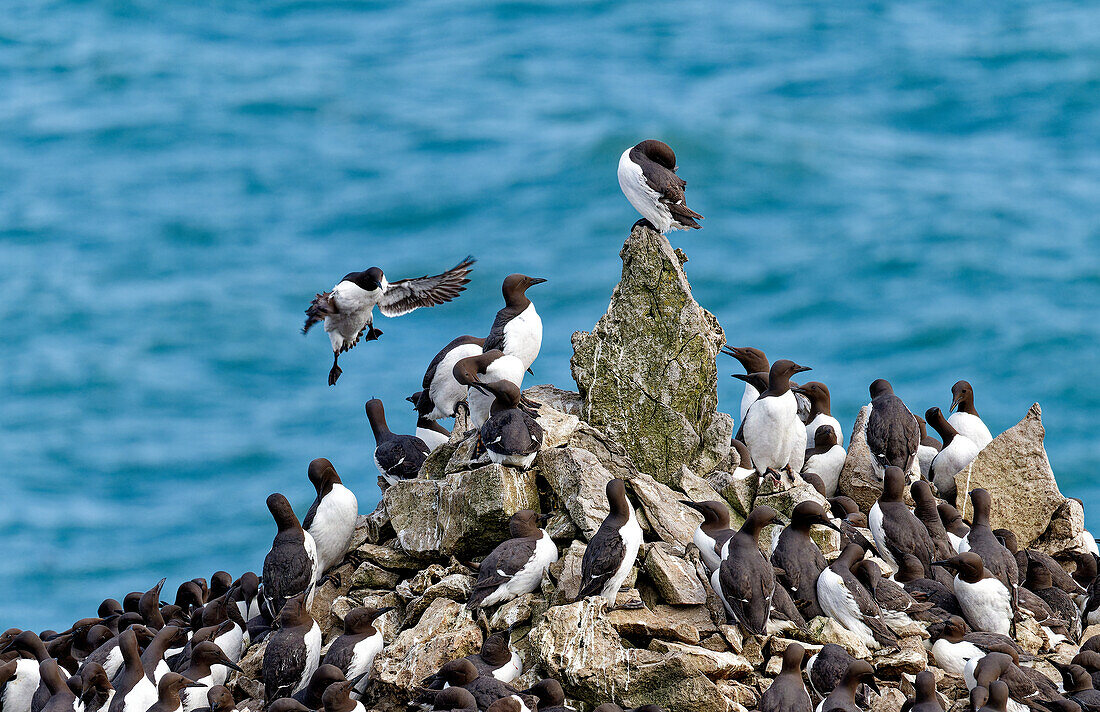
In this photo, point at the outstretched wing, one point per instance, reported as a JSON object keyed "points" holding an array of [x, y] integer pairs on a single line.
{"points": [[403, 296], [322, 305]]}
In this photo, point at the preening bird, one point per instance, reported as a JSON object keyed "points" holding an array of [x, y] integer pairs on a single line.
{"points": [[647, 176]]}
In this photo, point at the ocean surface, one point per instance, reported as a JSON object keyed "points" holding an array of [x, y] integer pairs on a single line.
{"points": [[908, 190]]}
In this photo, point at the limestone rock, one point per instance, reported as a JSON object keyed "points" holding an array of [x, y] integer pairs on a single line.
{"points": [[369, 575], [672, 521], [578, 478], [566, 571], [445, 632], [823, 630], [1015, 470], [386, 556], [857, 478], [715, 665], [647, 374], [568, 402], [674, 576], [739, 493], [644, 622], [413, 509], [1066, 533]]}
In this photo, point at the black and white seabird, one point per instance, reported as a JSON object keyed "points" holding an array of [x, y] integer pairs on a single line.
{"points": [[511, 436], [495, 659], [754, 361], [899, 608], [843, 696], [96, 691], [517, 329], [293, 651], [331, 518], [787, 693], [348, 310], [550, 695], [957, 452], [981, 540], [893, 434], [647, 177], [354, 651], [953, 523], [771, 422], [209, 666], [826, 668], [312, 695], [1039, 581], [744, 467], [397, 457], [613, 548], [486, 689], [825, 457], [820, 411], [928, 449], [896, 529], [844, 599], [997, 668], [1077, 683], [713, 532], [985, 600], [800, 558], [965, 420], [515, 566], [134, 692], [441, 394], [925, 509], [170, 690], [220, 699], [486, 367], [337, 698], [430, 432], [455, 699], [924, 697], [152, 658], [61, 698], [954, 647], [746, 580], [290, 567]]}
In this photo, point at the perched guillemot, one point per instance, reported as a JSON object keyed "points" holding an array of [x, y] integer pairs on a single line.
{"points": [[613, 548], [928, 449], [10, 698], [1022, 688], [996, 698], [20, 689], [983, 542], [61, 698], [953, 524], [787, 693], [220, 699], [825, 458], [746, 580], [442, 395], [397, 457], [219, 584], [511, 435], [647, 177], [189, 596], [430, 432], [170, 691], [767, 429], [96, 690], [820, 411], [348, 310], [249, 598], [843, 696], [152, 658], [1039, 581], [965, 418], [108, 656], [754, 361], [958, 452], [149, 606], [899, 608], [293, 651], [1059, 577], [713, 532], [455, 699], [134, 692], [337, 698], [486, 689], [354, 651], [312, 695], [924, 697], [290, 567], [896, 529], [495, 659], [209, 666], [844, 599], [826, 668], [331, 518], [985, 600], [551, 696], [517, 329], [744, 460], [893, 435], [954, 648], [515, 566], [924, 508], [489, 366], [287, 704], [1077, 683], [799, 557]]}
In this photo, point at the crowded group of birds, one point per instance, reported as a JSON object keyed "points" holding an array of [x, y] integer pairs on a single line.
{"points": [[899, 567]]}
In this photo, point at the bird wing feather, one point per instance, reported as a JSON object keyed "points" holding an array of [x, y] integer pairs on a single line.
{"points": [[405, 295]]}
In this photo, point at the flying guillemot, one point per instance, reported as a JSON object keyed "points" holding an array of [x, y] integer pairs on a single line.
{"points": [[647, 177], [348, 310], [397, 457], [517, 329], [516, 565], [611, 552]]}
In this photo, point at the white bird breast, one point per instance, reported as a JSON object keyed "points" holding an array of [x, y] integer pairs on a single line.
{"points": [[644, 199]]}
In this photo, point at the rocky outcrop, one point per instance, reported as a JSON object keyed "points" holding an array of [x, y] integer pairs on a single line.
{"points": [[647, 373]]}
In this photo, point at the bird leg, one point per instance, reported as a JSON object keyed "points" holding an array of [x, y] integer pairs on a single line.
{"points": [[643, 223], [372, 333], [332, 577], [335, 371]]}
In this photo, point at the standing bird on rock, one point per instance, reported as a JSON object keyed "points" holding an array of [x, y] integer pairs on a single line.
{"points": [[843, 696], [397, 457], [442, 395], [511, 435], [893, 434], [517, 329], [746, 580], [897, 530], [712, 532], [293, 652], [985, 600], [957, 452], [353, 652], [515, 566], [800, 558], [290, 567], [787, 692], [769, 426], [994, 556], [348, 309], [844, 599], [647, 177], [817, 394], [965, 419], [331, 518], [924, 697], [929, 448], [826, 458], [754, 361], [613, 548]]}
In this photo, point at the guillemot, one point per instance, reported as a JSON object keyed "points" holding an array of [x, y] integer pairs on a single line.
{"points": [[293, 651], [611, 552], [712, 532], [290, 567], [511, 436], [348, 310], [441, 395], [647, 177], [965, 418], [397, 457], [928, 449], [486, 367], [924, 509], [800, 558], [993, 555], [843, 696], [957, 452], [331, 518], [517, 329], [953, 524], [485, 688], [893, 435], [844, 599], [170, 690], [787, 693], [825, 457], [495, 659], [354, 651], [746, 578], [209, 666], [924, 694], [754, 361], [896, 529], [430, 432], [899, 608], [516, 565], [312, 695], [133, 690], [985, 600], [767, 429], [820, 411]]}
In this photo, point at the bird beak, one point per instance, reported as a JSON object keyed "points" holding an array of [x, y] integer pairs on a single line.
{"points": [[543, 518], [826, 522], [873, 685], [230, 664], [945, 564], [537, 280], [955, 403], [800, 369], [192, 683], [693, 505]]}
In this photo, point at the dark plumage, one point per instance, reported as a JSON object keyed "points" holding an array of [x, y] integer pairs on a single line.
{"points": [[291, 564], [612, 549], [787, 693], [800, 558], [746, 578], [893, 434]]}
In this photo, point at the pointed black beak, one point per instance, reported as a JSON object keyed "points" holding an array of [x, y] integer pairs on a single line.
{"points": [[826, 522], [800, 369], [536, 280], [542, 519]]}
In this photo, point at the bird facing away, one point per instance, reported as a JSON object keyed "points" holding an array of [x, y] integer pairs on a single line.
{"points": [[647, 177], [348, 310]]}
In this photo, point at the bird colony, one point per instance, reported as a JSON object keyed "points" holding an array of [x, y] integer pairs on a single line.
{"points": [[624, 546]]}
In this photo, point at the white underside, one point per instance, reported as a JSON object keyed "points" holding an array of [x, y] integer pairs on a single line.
{"points": [[356, 310], [528, 578], [748, 398], [444, 390], [313, 657], [828, 465], [878, 532], [631, 534], [521, 461], [20, 690], [819, 420], [770, 431], [644, 199], [950, 460], [510, 670], [362, 657], [705, 544], [838, 604], [987, 604], [141, 697], [505, 368], [972, 427], [925, 455], [523, 336], [432, 438], [333, 526]]}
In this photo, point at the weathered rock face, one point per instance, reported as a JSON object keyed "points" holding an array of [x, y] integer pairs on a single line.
{"points": [[858, 479], [1015, 470], [647, 373], [445, 632]]}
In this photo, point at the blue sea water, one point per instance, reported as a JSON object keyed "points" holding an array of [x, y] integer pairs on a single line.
{"points": [[906, 190]]}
